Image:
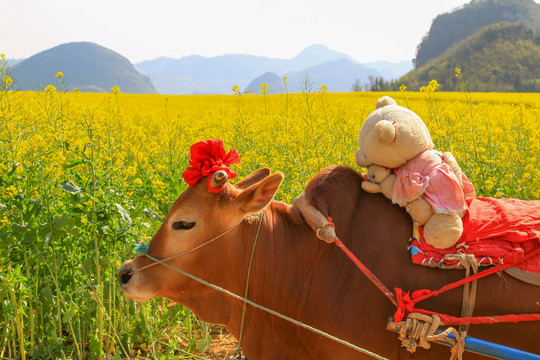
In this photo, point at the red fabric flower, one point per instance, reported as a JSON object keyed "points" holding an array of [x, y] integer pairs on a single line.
{"points": [[207, 157]]}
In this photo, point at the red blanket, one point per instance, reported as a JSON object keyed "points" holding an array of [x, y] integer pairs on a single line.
{"points": [[496, 231]]}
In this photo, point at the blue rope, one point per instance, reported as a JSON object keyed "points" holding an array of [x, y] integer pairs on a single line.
{"points": [[275, 313]]}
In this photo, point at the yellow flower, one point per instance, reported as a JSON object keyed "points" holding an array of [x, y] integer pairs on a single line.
{"points": [[8, 81], [285, 80], [432, 87], [50, 89], [115, 90], [458, 72], [236, 89], [403, 88], [137, 181], [323, 89], [11, 191], [264, 88], [59, 74], [77, 90]]}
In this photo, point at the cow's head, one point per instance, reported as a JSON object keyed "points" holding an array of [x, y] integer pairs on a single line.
{"points": [[198, 215]]}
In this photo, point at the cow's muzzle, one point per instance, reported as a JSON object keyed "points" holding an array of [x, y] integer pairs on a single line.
{"points": [[124, 275]]}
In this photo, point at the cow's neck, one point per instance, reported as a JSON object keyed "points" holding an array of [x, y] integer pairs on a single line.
{"points": [[285, 252]]}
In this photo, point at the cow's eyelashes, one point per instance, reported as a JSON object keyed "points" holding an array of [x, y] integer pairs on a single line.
{"points": [[183, 225]]}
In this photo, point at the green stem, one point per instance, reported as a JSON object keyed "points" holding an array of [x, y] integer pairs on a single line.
{"points": [[18, 320]]}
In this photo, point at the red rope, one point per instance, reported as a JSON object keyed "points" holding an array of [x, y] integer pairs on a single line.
{"points": [[374, 279], [405, 301]]}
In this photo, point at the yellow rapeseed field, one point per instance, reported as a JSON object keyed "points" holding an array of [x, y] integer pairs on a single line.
{"points": [[85, 176]]}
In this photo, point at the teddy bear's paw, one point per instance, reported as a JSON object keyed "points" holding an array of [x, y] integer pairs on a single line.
{"points": [[443, 230], [370, 187], [420, 211]]}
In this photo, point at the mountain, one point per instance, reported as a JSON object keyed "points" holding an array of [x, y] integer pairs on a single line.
{"points": [[338, 76], [500, 57], [451, 28], [12, 62], [314, 55], [273, 80], [85, 65], [391, 70], [217, 75]]}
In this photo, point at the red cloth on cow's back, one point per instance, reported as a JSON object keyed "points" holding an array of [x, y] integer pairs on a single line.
{"points": [[495, 231]]}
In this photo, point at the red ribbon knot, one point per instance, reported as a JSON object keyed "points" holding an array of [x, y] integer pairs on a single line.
{"points": [[207, 157]]}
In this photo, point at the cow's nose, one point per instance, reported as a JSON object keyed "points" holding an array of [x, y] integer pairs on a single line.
{"points": [[124, 275]]}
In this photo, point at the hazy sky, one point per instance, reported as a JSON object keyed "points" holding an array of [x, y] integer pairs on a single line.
{"points": [[367, 30]]}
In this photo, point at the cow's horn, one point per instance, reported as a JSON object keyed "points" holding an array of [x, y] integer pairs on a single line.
{"points": [[219, 179]]}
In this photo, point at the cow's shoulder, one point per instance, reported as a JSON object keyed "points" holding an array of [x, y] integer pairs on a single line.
{"points": [[336, 184]]}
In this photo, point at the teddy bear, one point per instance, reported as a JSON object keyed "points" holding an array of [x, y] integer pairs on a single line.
{"points": [[430, 185], [379, 179]]}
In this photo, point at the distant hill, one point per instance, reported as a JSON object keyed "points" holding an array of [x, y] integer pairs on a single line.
{"points": [[85, 65], [451, 28], [12, 62], [273, 80], [390, 70], [217, 75], [500, 57], [338, 76]]}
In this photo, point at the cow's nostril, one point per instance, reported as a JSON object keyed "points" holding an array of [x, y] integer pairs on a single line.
{"points": [[124, 275]]}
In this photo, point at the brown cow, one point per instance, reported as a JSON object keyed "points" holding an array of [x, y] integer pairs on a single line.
{"points": [[304, 278]]}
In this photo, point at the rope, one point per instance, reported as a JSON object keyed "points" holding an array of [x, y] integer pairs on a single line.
{"points": [[422, 329], [368, 273], [275, 313], [142, 249], [419, 330], [468, 261], [239, 346]]}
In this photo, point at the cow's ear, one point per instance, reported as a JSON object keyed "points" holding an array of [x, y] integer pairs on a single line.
{"points": [[257, 196], [253, 178]]}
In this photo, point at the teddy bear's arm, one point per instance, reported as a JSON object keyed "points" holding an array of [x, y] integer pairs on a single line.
{"points": [[386, 186], [451, 160]]}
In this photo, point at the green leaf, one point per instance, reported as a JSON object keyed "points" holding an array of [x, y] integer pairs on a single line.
{"points": [[70, 187], [68, 315], [73, 163], [47, 294], [153, 214], [103, 230], [63, 222], [123, 212], [95, 346]]}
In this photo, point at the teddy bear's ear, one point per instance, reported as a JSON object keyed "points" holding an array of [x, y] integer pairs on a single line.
{"points": [[386, 131], [384, 101]]}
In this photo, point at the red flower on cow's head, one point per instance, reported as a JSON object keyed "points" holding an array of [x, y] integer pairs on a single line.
{"points": [[207, 157]]}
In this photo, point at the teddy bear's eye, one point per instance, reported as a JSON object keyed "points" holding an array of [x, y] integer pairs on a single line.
{"points": [[373, 176]]}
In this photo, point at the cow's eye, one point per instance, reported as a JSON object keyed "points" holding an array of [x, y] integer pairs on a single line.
{"points": [[183, 225]]}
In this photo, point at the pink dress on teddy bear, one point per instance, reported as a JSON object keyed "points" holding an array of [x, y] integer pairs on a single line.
{"points": [[428, 175]]}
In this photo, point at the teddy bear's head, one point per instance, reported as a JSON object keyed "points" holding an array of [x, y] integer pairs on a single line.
{"points": [[376, 174], [391, 136]]}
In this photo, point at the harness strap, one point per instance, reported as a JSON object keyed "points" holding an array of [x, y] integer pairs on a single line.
{"points": [[405, 301]]}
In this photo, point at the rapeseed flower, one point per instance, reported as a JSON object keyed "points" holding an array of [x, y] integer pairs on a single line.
{"points": [[8, 81]]}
